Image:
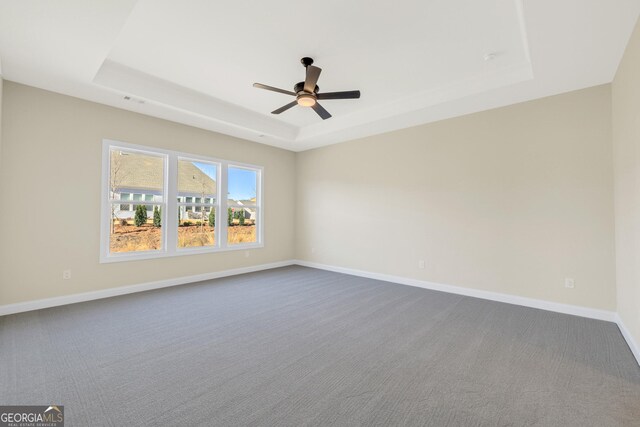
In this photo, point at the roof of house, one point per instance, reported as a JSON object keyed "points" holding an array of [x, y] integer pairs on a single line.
{"points": [[145, 172], [251, 201]]}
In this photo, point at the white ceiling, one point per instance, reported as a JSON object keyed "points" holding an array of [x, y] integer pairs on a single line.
{"points": [[415, 61]]}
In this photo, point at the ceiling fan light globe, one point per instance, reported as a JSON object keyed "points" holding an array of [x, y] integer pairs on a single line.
{"points": [[306, 100]]}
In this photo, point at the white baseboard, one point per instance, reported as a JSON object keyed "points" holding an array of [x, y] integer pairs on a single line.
{"points": [[476, 293], [123, 290], [633, 345], [493, 296], [575, 310]]}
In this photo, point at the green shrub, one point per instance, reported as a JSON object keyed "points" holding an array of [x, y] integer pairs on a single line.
{"points": [[157, 217], [230, 216], [239, 215], [212, 218], [141, 215], [187, 223]]}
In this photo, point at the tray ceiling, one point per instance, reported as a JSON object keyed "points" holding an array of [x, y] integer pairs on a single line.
{"points": [[194, 61]]}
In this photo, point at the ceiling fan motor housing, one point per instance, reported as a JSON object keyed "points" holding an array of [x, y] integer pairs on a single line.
{"points": [[299, 87]]}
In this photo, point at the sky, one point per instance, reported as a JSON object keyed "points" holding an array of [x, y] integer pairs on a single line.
{"points": [[242, 182]]}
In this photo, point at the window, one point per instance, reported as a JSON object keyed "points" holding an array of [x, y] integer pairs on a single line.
{"points": [[196, 219], [216, 204], [125, 196], [242, 205], [148, 198], [130, 170]]}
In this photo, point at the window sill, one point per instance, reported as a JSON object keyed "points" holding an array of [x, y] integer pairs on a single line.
{"points": [[138, 256]]}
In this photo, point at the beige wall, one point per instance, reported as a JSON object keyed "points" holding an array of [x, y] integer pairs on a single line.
{"points": [[626, 147], [2, 205], [50, 178], [1, 86], [511, 200]]}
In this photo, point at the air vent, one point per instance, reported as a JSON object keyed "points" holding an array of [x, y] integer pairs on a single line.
{"points": [[132, 99]]}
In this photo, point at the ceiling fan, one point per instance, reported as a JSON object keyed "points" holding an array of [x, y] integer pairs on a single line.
{"points": [[306, 92]]}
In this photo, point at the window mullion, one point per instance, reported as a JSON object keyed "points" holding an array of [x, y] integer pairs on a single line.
{"points": [[171, 215], [259, 208], [221, 219]]}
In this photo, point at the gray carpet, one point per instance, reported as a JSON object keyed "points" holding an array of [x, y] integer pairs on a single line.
{"points": [[296, 346]]}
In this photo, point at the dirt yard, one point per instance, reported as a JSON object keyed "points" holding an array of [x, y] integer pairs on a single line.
{"points": [[129, 238]]}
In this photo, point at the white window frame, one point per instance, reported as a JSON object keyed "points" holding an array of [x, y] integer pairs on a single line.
{"points": [[170, 206], [257, 206]]}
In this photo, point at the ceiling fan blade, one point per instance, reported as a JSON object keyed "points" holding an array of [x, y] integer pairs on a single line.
{"points": [[351, 94], [273, 89], [313, 73], [285, 108], [321, 111]]}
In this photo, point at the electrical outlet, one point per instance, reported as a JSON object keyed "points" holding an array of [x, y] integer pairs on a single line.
{"points": [[569, 283], [421, 264], [66, 274]]}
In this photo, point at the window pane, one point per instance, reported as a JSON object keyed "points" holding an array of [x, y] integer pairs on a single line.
{"points": [[242, 225], [198, 229], [135, 177], [148, 198], [131, 234], [137, 173], [243, 184], [196, 180], [125, 196]]}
